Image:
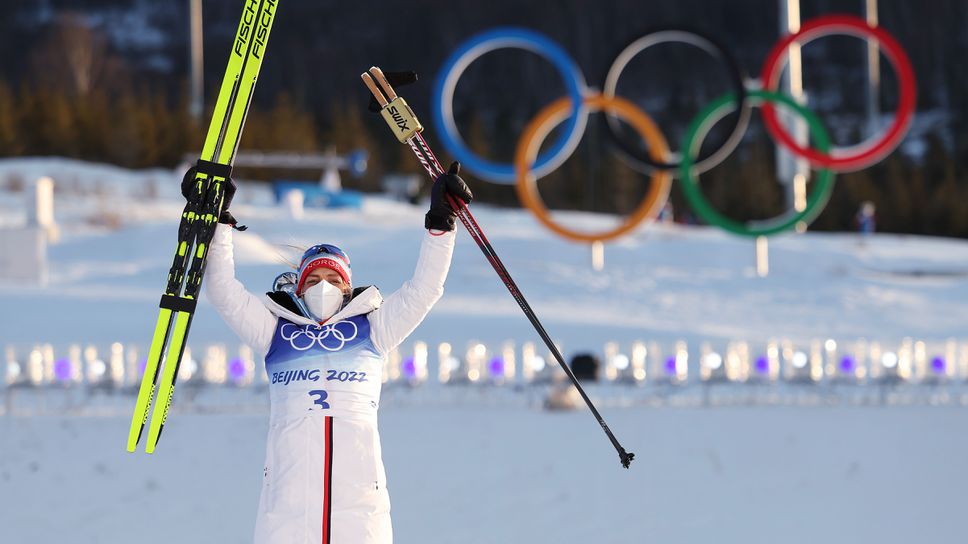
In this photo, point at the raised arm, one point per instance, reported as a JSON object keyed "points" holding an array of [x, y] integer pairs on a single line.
{"points": [[403, 310], [242, 311]]}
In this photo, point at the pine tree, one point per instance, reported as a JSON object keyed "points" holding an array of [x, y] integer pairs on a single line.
{"points": [[94, 126], [10, 142], [52, 123]]}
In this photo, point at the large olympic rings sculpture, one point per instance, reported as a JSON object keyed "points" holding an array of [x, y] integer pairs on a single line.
{"points": [[658, 161]]}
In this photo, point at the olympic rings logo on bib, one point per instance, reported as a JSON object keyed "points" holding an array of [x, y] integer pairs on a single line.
{"points": [[332, 337], [658, 161]]}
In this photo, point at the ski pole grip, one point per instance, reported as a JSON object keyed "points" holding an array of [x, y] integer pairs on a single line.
{"points": [[401, 119]]}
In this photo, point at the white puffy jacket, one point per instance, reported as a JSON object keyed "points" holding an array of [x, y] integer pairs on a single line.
{"points": [[324, 479]]}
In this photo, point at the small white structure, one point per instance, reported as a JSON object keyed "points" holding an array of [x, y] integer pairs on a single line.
{"points": [[23, 250], [23, 256], [294, 201], [762, 256], [40, 208], [598, 256]]}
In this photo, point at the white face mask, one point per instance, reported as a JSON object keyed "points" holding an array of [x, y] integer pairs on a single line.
{"points": [[323, 300]]}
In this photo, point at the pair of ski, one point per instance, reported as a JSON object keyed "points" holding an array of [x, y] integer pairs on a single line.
{"points": [[199, 218], [407, 128]]}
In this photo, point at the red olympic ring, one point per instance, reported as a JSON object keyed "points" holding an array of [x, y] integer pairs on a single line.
{"points": [[854, 26]]}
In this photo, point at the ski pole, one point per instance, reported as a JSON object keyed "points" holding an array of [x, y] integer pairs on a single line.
{"points": [[407, 129]]}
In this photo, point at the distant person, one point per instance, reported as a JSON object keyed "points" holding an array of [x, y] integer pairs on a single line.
{"points": [[667, 215], [325, 345], [687, 218], [865, 219]]}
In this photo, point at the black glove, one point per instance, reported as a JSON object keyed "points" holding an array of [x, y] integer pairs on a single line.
{"points": [[226, 218], [188, 190], [441, 216], [188, 184]]}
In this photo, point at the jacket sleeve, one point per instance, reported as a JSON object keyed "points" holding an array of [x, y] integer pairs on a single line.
{"points": [[403, 310], [242, 311]]}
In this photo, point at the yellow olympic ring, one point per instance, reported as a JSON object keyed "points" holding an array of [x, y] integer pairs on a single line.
{"points": [[553, 115]]}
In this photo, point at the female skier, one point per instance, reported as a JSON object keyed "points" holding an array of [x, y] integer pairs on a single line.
{"points": [[325, 344]]}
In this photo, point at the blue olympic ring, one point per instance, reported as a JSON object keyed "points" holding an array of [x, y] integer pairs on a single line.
{"points": [[474, 48]]}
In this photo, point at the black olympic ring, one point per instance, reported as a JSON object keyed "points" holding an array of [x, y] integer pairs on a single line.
{"points": [[640, 158]]}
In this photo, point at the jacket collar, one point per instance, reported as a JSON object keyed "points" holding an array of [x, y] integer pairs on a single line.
{"points": [[367, 301]]}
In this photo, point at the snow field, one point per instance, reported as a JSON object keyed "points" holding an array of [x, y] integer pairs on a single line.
{"points": [[482, 468]]}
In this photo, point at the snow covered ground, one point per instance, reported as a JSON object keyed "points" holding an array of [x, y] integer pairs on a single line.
{"points": [[665, 282], [490, 465], [494, 474]]}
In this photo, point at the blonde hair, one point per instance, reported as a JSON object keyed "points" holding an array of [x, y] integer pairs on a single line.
{"points": [[283, 259]]}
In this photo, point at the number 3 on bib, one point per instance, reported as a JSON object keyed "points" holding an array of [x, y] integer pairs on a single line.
{"points": [[319, 397]]}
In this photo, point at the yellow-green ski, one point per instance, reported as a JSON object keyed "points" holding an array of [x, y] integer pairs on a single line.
{"points": [[198, 221]]}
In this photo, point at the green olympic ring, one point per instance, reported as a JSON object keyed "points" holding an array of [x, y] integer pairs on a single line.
{"points": [[698, 128]]}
